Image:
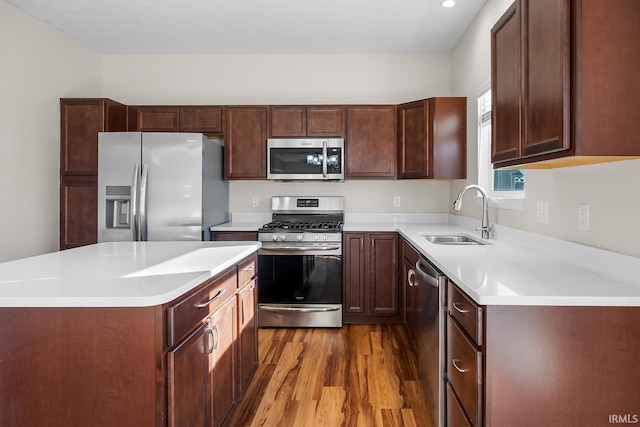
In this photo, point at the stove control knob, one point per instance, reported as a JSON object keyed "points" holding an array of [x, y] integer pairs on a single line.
{"points": [[299, 237], [274, 237], [282, 237], [316, 237]]}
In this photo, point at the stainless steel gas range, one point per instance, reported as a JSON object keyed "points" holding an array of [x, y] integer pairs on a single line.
{"points": [[300, 263]]}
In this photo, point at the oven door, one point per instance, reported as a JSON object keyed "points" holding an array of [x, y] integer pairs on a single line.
{"points": [[300, 287], [305, 159]]}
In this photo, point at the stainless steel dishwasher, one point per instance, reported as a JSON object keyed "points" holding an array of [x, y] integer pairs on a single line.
{"points": [[432, 288]]}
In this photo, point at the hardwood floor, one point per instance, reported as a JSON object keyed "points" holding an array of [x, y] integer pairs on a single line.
{"points": [[359, 375]]}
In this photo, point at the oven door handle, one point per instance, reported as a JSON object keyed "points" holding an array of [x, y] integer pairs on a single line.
{"points": [[300, 309], [300, 248]]}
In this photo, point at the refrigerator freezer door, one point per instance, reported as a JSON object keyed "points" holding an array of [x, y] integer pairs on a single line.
{"points": [[118, 153], [174, 186]]}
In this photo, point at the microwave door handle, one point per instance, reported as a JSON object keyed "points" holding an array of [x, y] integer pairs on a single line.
{"points": [[324, 159]]}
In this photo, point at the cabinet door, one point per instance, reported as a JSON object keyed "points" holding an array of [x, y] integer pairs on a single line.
{"points": [[383, 268], [205, 119], [413, 152], [371, 141], [546, 30], [288, 121], [187, 379], [80, 122], [247, 334], [246, 143], [354, 273], [326, 120], [158, 119], [506, 86], [78, 211], [222, 367]]}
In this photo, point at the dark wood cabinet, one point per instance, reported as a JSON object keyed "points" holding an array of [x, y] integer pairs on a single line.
{"points": [[208, 119], [371, 277], [247, 322], [432, 138], [306, 121], [246, 142], [371, 141], [187, 382], [222, 362], [80, 121], [158, 119], [563, 85], [410, 291], [234, 236]]}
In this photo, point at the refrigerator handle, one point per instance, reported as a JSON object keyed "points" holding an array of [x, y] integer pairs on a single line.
{"points": [[142, 209], [134, 220]]}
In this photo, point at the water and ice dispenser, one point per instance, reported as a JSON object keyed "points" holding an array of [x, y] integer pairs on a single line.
{"points": [[118, 206]]}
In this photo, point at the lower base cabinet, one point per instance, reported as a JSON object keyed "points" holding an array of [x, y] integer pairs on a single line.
{"points": [[179, 364], [371, 278]]}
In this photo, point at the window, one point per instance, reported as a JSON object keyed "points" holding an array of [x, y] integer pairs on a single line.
{"points": [[501, 185]]}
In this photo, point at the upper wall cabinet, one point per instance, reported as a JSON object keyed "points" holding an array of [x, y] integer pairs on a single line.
{"points": [[371, 141], [245, 154], [432, 138], [302, 121], [193, 118], [564, 83]]}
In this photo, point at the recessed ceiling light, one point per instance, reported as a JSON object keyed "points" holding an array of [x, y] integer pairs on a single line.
{"points": [[448, 3]]}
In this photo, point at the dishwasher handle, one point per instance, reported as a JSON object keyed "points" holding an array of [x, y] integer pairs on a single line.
{"points": [[427, 273]]}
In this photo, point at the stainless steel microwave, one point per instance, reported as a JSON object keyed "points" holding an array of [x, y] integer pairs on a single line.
{"points": [[305, 159]]}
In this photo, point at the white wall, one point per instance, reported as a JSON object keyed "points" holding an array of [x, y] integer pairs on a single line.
{"points": [[612, 190], [39, 66], [293, 79]]}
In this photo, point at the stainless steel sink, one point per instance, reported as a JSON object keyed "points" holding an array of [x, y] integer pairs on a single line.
{"points": [[452, 239]]}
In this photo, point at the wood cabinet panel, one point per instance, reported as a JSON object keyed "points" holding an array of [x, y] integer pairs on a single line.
{"points": [[371, 141], [207, 119], [506, 86], [234, 236], [246, 143], [288, 121], [432, 138], [467, 313], [78, 211], [158, 119], [222, 362], [371, 278], [247, 334], [80, 121], [455, 414], [187, 381], [575, 102], [326, 120], [409, 291]]}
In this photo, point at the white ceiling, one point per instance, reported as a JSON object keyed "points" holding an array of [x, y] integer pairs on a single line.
{"points": [[257, 26]]}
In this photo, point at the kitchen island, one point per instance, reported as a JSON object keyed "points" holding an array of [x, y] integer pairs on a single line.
{"points": [[127, 334]]}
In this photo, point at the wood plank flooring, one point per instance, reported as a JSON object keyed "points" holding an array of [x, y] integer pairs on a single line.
{"points": [[358, 375]]}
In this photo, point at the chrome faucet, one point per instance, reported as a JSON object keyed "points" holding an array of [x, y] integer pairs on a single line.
{"points": [[457, 205]]}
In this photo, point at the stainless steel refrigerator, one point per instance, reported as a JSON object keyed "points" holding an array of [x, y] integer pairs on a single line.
{"points": [[159, 186]]}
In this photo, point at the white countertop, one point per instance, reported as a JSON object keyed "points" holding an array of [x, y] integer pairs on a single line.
{"points": [[117, 274], [516, 268]]}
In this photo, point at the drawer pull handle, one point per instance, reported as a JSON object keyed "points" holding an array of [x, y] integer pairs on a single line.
{"points": [[411, 277], [248, 289], [215, 297], [455, 365], [212, 340], [249, 268], [457, 307]]}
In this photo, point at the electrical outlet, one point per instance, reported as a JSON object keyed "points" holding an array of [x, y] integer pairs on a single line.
{"points": [[542, 212], [255, 201], [396, 201], [583, 217]]}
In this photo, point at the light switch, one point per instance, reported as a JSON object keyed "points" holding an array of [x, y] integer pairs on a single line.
{"points": [[542, 212]]}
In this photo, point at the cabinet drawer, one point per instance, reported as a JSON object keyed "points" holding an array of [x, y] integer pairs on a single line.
{"points": [[409, 252], [464, 370], [466, 312], [184, 315], [455, 414], [247, 270]]}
